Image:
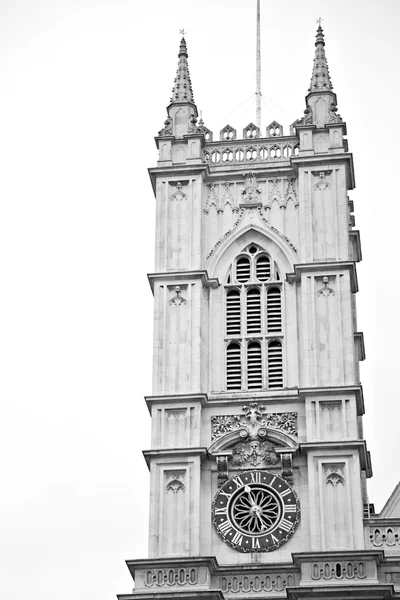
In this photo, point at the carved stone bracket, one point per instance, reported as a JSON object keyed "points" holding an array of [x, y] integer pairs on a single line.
{"points": [[323, 183], [179, 194], [325, 291], [222, 468], [251, 193], [287, 468], [178, 299]]}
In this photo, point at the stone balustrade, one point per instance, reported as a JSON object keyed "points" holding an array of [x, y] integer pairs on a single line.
{"points": [[250, 151]]}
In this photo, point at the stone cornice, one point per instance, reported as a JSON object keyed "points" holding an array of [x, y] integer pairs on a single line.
{"points": [[179, 276], [333, 555], [176, 399], [173, 453], [236, 399], [355, 234], [228, 398], [165, 563], [376, 521], [174, 594], [343, 591], [176, 172], [345, 389], [324, 161], [360, 445], [323, 268]]}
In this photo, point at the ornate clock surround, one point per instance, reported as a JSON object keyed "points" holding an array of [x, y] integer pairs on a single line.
{"points": [[255, 511]]}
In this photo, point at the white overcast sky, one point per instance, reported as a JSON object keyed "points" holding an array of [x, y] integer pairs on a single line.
{"points": [[83, 89]]}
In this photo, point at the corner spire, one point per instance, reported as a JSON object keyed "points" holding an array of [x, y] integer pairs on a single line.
{"points": [[182, 90], [320, 79]]}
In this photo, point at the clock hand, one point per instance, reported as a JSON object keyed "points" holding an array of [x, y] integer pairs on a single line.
{"points": [[247, 489]]}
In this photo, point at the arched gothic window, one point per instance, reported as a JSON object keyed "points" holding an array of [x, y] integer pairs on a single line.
{"points": [[253, 326]]}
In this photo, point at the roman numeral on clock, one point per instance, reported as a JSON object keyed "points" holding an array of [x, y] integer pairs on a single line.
{"points": [[255, 543], [225, 526], [285, 525], [237, 538], [220, 511], [238, 481], [285, 493], [256, 476], [290, 508], [225, 494]]}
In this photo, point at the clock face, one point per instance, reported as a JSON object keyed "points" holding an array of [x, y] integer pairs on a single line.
{"points": [[256, 511]]}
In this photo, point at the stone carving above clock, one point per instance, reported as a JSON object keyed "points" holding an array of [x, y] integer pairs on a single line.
{"points": [[254, 422], [254, 453]]}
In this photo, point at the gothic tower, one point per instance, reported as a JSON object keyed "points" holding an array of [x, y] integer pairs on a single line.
{"points": [[258, 464]]}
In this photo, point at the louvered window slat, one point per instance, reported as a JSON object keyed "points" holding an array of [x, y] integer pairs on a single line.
{"points": [[233, 367], [254, 304], [243, 269], [254, 366], [233, 319], [263, 268], [274, 310], [253, 311], [275, 365]]}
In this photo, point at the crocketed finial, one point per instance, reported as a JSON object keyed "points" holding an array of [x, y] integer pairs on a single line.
{"points": [[320, 79], [182, 90]]}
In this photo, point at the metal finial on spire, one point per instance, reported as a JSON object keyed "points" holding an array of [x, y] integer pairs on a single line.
{"points": [[182, 32], [319, 21], [258, 70]]}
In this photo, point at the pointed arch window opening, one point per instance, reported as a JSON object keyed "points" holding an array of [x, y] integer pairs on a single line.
{"points": [[253, 322]]}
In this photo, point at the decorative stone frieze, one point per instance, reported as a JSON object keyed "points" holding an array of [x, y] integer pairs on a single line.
{"points": [[254, 422], [352, 568], [261, 583], [171, 577], [386, 537]]}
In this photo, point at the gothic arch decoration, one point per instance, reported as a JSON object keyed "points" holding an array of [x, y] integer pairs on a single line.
{"points": [[212, 198], [227, 133], [274, 129], [175, 486], [290, 193], [274, 194], [274, 242]]}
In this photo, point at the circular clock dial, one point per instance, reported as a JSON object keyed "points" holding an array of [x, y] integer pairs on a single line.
{"points": [[256, 511]]}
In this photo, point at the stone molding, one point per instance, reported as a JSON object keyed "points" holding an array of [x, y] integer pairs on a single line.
{"points": [[174, 453], [321, 268], [184, 276], [360, 445], [336, 391]]}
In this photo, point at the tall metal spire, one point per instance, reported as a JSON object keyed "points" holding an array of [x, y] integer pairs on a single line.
{"points": [[182, 90], [320, 79], [258, 70]]}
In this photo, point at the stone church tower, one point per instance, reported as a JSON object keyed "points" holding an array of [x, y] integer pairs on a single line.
{"points": [[258, 464]]}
